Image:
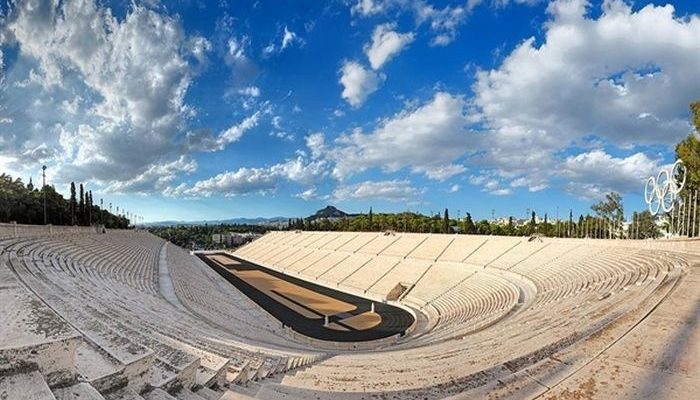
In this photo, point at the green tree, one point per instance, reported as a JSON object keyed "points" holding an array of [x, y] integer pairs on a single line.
{"points": [[73, 203], [612, 212], [644, 225], [371, 227], [469, 226], [446, 222], [81, 206]]}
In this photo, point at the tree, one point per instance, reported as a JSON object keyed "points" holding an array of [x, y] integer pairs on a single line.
{"points": [[469, 226], [73, 203], [446, 222], [610, 209], [81, 206], [89, 207], [645, 225], [24, 205], [370, 219], [533, 224], [688, 150]]}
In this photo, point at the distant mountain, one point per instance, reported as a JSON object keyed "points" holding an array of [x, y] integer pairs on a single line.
{"points": [[330, 212], [231, 221]]}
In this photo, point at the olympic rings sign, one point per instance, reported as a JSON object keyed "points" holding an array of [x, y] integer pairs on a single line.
{"points": [[660, 192]]}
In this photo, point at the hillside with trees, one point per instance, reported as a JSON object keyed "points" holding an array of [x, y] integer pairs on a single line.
{"points": [[24, 204]]}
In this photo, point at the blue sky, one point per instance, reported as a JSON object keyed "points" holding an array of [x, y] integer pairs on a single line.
{"points": [[203, 110]]}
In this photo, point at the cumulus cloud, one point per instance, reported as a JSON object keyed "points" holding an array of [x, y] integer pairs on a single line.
{"points": [[426, 139], [386, 43], [132, 106], [262, 180], [597, 77], [358, 82], [589, 78], [391, 190], [601, 173]]}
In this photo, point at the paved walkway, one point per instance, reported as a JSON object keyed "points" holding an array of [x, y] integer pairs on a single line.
{"points": [[164, 280], [657, 359]]}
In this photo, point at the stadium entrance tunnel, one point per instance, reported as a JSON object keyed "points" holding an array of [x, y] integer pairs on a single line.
{"points": [[309, 309]]}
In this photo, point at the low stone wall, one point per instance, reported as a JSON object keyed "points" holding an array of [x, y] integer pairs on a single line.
{"points": [[20, 230]]}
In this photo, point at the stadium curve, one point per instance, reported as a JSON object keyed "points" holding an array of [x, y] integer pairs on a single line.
{"points": [[495, 317], [392, 320]]}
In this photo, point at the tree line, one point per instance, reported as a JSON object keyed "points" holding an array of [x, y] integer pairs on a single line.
{"points": [[24, 204], [607, 221], [200, 236]]}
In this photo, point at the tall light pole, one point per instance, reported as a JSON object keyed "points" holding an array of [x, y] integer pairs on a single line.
{"points": [[43, 189]]}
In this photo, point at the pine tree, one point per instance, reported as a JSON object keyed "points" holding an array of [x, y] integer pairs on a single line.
{"points": [[370, 219], [30, 185]]}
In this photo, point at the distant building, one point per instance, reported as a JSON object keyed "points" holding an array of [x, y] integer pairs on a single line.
{"points": [[233, 239]]}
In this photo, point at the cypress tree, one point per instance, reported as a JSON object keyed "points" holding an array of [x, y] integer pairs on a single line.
{"points": [[446, 223], [81, 206], [73, 203]]}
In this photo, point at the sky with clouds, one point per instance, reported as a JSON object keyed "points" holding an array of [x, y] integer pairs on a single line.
{"points": [[201, 110]]}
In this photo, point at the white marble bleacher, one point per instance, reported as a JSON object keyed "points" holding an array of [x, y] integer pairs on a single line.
{"points": [[514, 301], [143, 340], [501, 314]]}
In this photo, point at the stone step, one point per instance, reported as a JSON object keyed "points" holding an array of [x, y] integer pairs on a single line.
{"points": [[124, 394], [33, 333], [25, 386], [97, 368], [80, 391], [208, 394], [231, 395], [186, 394], [158, 394]]}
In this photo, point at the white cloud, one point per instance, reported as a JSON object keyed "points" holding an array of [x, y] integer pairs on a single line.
{"points": [[595, 173], [308, 194], [426, 139], [440, 172], [132, 73], [386, 43], [368, 7], [442, 22], [158, 176], [358, 82], [392, 190], [263, 180], [597, 78], [288, 37], [250, 91], [203, 141], [234, 183], [453, 189]]}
